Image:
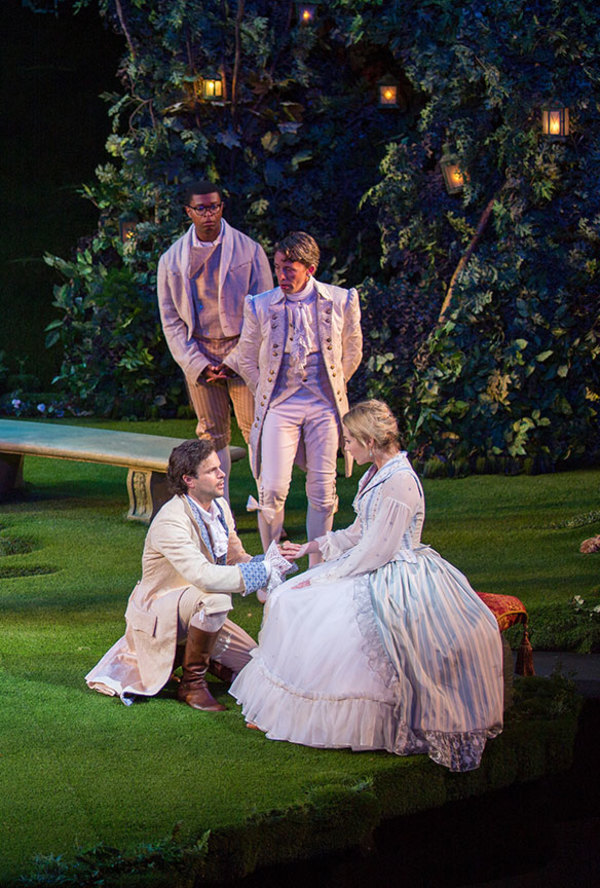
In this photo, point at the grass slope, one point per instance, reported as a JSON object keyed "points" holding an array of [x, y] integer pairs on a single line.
{"points": [[78, 769]]}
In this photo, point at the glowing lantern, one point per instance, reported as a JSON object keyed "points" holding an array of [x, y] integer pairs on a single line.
{"points": [[307, 12], [387, 90], [211, 89], [454, 176], [127, 223], [555, 122]]}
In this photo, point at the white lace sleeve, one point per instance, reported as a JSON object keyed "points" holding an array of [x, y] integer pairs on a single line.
{"points": [[383, 539], [380, 543], [335, 542]]}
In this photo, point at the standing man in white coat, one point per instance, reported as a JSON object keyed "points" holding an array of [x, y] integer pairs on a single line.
{"points": [[203, 279], [300, 344]]}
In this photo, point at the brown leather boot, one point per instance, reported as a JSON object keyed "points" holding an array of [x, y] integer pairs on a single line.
{"points": [[222, 672], [193, 689]]}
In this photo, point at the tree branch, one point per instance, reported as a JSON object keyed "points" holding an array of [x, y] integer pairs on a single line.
{"points": [[123, 24], [237, 58], [466, 256]]}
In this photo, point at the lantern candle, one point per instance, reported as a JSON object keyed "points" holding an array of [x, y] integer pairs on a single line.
{"points": [[454, 177], [555, 123], [127, 224], [212, 88], [388, 93], [307, 12]]}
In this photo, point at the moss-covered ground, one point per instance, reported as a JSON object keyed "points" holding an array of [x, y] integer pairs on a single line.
{"points": [[81, 771]]}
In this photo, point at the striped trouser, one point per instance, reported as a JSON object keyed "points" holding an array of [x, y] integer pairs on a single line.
{"points": [[212, 405]]}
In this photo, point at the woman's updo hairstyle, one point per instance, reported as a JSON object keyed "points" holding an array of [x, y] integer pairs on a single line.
{"points": [[373, 420]]}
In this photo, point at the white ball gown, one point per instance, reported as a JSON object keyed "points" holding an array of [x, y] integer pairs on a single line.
{"points": [[383, 646]]}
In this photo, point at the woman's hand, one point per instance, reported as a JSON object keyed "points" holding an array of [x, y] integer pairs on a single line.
{"points": [[290, 550], [293, 551]]}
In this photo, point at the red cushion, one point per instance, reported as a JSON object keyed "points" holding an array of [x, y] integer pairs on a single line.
{"points": [[507, 609]]}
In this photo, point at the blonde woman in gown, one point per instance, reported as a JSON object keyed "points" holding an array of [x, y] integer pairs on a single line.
{"points": [[385, 645]]}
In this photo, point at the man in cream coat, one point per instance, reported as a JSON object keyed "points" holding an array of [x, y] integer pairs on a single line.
{"points": [[300, 344], [193, 563], [203, 279]]}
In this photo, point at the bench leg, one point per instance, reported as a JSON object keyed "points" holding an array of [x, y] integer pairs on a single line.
{"points": [[147, 492], [11, 472]]}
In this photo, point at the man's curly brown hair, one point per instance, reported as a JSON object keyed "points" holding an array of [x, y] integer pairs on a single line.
{"points": [[185, 459]]}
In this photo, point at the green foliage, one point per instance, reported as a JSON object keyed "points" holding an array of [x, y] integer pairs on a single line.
{"points": [[103, 865], [552, 697], [511, 372], [295, 141], [574, 625], [110, 329], [391, 339], [511, 377], [508, 379]]}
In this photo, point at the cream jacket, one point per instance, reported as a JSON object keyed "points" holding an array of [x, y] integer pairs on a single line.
{"points": [[258, 355], [175, 558], [244, 269]]}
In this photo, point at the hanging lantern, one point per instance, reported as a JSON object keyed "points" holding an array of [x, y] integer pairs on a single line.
{"points": [[127, 224], [306, 12], [454, 176], [387, 93], [211, 88], [555, 122]]}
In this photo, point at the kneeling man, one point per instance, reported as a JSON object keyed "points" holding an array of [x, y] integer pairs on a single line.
{"points": [[192, 564]]}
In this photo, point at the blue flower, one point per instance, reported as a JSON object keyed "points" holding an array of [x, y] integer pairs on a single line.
{"points": [[41, 408]]}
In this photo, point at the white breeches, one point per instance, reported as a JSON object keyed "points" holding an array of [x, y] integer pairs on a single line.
{"points": [[191, 612], [208, 622], [315, 420], [233, 645]]}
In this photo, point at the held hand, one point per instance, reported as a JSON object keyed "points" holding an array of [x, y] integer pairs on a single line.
{"points": [[290, 550], [226, 372], [213, 373], [293, 551]]}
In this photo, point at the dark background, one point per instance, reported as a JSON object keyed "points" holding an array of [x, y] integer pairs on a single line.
{"points": [[53, 127]]}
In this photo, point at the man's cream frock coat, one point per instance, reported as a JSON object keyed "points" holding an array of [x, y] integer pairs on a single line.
{"points": [[176, 557]]}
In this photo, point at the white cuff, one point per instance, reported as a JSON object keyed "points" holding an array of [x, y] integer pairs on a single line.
{"points": [[277, 566]]}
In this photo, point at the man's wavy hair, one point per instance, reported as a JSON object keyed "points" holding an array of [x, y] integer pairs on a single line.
{"points": [[298, 246], [184, 460]]}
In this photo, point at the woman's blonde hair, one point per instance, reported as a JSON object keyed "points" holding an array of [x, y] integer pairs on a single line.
{"points": [[372, 420]]}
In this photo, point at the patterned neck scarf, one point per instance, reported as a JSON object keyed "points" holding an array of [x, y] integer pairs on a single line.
{"points": [[214, 523]]}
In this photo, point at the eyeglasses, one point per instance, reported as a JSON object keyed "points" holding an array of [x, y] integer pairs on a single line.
{"points": [[205, 210]]}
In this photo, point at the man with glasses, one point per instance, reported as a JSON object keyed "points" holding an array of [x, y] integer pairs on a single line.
{"points": [[203, 279]]}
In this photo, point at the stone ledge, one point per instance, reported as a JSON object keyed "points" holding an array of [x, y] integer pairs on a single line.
{"points": [[146, 457]]}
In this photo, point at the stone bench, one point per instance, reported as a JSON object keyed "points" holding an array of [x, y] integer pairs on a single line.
{"points": [[145, 456]]}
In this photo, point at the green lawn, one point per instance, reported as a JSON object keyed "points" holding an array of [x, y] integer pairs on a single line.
{"points": [[78, 769]]}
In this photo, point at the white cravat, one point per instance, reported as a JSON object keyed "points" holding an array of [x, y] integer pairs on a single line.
{"points": [[302, 318], [218, 534]]}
